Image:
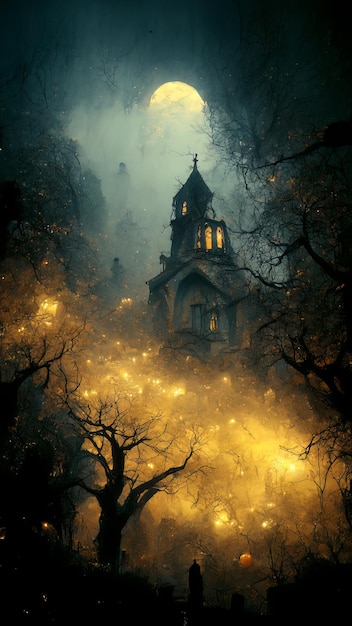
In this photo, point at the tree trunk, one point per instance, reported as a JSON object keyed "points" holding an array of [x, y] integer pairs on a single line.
{"points": [[108, 540]]}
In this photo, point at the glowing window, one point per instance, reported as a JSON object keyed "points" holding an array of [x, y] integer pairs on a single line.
{"points": [[214, 321], [199, 237], [184, 208], [219, 238], [208, 238]]}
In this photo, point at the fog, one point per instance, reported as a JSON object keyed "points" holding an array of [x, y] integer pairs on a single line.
{"points": [[157, 145], [256, 493], [106, 60]]}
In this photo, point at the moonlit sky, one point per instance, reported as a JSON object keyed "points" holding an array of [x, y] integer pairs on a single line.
{"points": [[102, 61], [102, 55], [157, 143]]}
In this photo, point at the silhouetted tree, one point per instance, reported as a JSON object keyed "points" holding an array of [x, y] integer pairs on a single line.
{"points": [[129, 465], [299, 249], [334, 135], [292, 220]]}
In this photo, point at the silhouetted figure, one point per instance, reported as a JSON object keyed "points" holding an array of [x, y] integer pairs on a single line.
{"points": [[117, 272], [115, 269], [333, 136], [195, 584], [123, 187]]}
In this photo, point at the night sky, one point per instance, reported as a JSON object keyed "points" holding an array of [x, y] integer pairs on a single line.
{"points": [[96, 64]]}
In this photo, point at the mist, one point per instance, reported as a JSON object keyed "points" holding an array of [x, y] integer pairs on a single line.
{"points": [[157, 148]]}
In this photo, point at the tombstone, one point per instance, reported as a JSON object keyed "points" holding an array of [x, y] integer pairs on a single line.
{"points": [[237, 604], [195, 585]]}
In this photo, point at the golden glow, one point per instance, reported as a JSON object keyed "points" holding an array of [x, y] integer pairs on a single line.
{"points": [[254, 484], [48, 307], [208, 238], [221, 519], [268, 523], [125, 302], [177, 95], [48, 310], [178, 392], [92, 392], [213, 322], [219, 237]]}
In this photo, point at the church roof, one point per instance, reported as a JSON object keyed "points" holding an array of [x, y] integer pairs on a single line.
{"points": [[195, 192]]}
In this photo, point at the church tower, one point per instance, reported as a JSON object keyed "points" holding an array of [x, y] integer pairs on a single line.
{"points": [[194, 228], [196, 296]]}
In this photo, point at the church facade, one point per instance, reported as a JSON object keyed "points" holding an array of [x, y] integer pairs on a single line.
{"points": [[198, 299]]}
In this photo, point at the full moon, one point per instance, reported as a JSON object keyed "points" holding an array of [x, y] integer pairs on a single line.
{"points": [[176, 94]]}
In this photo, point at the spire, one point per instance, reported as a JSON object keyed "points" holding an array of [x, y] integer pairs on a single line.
{"points": [[195, 161]]}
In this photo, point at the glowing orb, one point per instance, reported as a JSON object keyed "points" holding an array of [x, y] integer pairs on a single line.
{"points": [[246, 559]]}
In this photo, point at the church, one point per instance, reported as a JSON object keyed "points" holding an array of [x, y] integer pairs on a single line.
{"points": [[199, 297]]}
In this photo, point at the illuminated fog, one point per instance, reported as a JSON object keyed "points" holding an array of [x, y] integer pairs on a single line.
{"points": [[256, 495]]}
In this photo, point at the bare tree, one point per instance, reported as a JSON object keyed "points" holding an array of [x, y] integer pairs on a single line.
{"points": [[33, 358], [299, 250], [130, 461]]}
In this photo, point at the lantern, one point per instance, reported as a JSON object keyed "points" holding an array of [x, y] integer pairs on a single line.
{"points": [[246, 559]]}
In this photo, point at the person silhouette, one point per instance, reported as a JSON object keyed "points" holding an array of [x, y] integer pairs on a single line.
{"points": [[195, 584], [123, 187]]}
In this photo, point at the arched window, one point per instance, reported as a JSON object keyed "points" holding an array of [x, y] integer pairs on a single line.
{"points": [[214, 321], [219, 238], [208, 238], [199, 237], [184, 208]]}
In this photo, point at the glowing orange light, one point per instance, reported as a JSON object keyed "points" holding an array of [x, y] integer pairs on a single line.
{"points": [[246, 559]]}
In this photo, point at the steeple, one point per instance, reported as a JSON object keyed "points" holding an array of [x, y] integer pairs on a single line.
{"points": [[194, 227], [194, 198]]}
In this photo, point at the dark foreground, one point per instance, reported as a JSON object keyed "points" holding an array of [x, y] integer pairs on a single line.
{"points": [[46, 591], [93, 599]]}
